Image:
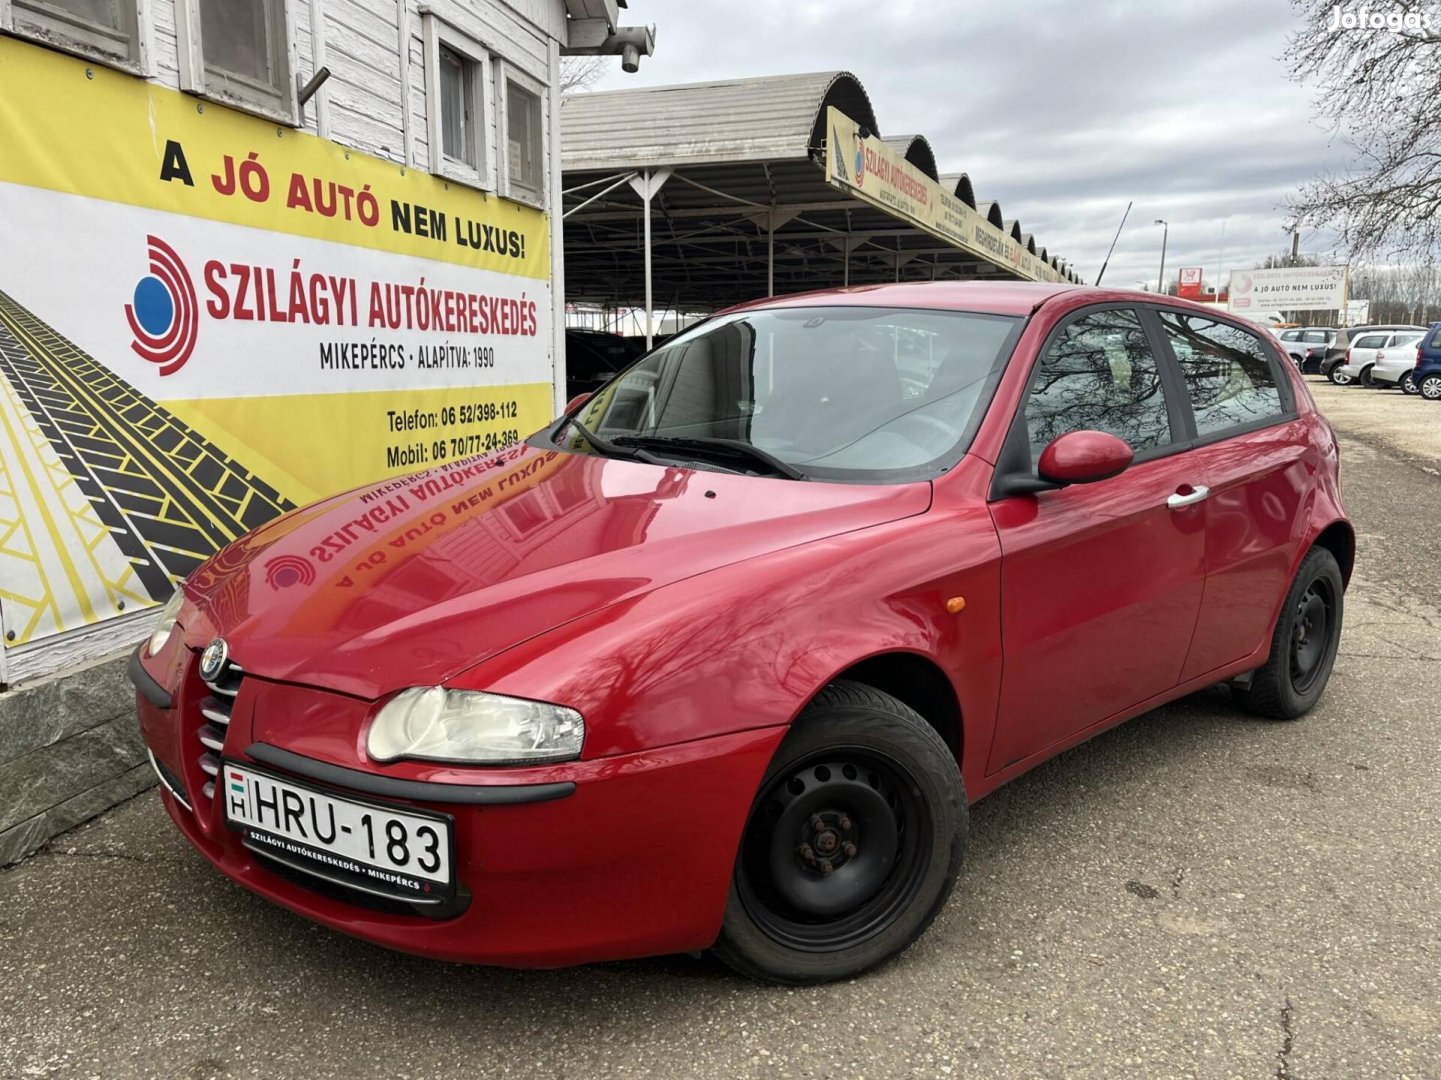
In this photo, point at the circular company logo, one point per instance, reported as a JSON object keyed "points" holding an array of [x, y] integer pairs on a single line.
{"points": [[283, 571], [212, 660], [163, 314]]}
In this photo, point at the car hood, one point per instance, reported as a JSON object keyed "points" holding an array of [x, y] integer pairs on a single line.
{"points": [[414, 580]]}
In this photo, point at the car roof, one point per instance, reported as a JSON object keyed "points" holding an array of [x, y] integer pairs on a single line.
{"points": [[984, 297], [987, 297]]}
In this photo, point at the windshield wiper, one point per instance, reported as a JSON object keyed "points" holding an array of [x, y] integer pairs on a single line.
{"points": [[605, 446], [704, 444]]}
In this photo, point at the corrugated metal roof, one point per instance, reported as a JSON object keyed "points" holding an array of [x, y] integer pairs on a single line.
{"points": [[915, 149], [766, 119], [960, 185], [739, 146]]}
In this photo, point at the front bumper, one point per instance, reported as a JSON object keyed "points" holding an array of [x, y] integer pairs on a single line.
{"points": [[604, 859]]}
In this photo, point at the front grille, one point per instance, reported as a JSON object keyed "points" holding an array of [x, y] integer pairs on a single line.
{"points": [[215, 708]]}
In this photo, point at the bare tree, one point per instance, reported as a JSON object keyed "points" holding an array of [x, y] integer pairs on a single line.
{"points": [[579, 73], [1276, 262], [1399, 294], [1378, 88]]}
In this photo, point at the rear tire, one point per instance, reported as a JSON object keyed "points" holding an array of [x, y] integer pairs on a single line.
{"points": [[1408, 384], [1337, 376], [1365, 379], [854, 842], [1430, 387], [1303, 644]]}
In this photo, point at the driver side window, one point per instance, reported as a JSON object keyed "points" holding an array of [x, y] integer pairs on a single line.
{"points": [[1099, 374]]}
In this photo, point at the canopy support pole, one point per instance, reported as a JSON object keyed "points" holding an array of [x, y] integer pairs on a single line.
{"points": [[646, 185], [774, 218]]}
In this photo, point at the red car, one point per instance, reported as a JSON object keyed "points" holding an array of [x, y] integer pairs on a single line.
{"points": [[720, 659]]}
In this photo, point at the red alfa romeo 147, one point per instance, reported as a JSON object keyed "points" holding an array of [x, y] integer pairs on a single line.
{"points": [[720, 658]]}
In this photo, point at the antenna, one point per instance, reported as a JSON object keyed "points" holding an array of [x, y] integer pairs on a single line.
{"points": [[1113, 242]]}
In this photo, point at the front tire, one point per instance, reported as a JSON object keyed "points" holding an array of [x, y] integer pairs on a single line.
{"points": [[853, 844], [1303, 644]]}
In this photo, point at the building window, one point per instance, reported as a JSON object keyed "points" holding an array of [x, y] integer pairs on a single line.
{"points": [[459, 136], [457, 71], [105, 30], [524, 146], [238, 52]]}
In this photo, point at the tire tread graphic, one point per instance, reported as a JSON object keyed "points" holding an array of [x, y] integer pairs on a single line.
{"points": [[165, 496]]}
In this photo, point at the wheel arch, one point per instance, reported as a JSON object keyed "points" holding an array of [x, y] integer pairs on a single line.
{"points": [[915, 680], [1339, 538]]}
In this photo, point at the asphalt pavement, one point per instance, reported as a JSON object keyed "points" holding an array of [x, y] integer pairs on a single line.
{"points": [[1195, 894]]}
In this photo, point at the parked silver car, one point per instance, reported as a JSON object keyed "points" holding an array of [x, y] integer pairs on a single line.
{"points": [[1380, 359]]}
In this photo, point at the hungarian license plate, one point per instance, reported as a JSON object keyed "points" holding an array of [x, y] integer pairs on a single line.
{"points": [[381, 849]]}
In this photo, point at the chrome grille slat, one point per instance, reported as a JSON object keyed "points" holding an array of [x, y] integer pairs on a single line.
{"points": [[216, 710]]}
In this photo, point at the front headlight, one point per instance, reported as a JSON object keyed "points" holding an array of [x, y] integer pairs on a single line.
{"points": [[165, 623], [473, 727]]}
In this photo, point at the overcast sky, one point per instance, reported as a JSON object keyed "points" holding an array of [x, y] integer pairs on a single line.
{"points": [[1060, 111]]}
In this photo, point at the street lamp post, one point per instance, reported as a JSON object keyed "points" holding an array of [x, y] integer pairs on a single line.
{"points": [[1165, 234], [1221, 262]]}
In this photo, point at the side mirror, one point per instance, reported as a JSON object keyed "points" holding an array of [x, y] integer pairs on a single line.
{"points": [[576, 402], [1083, 457]]}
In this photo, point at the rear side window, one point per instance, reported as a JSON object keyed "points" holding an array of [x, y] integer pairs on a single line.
{"points": [[1435, 342], [1370, 341], [1099, 374], [1314, 337], [1227, 372]]}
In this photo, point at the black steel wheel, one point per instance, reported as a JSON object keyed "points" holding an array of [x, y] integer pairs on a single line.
{"points": [[1311, 633], [852, 845], [1303, 644], [834, 851]]}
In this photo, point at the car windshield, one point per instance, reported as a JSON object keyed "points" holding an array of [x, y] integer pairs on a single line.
{"points": [[839, 393]]}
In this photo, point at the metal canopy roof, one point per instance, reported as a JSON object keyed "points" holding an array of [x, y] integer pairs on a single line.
{"points": [[741, 166]]}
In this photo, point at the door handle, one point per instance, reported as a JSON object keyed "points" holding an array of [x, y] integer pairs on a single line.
{"points": [[1197, 494]]}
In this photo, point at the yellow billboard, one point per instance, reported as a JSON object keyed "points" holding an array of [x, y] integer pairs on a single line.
{"points": [[865, 167], [206, 319]]}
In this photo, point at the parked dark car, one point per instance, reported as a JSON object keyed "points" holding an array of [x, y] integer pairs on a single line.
{"points": [[1307, 346], [593, 357], [1427, 376], [1342, 340]]}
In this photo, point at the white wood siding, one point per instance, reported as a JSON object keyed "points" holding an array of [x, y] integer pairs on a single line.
{"points": [[366, 104]]}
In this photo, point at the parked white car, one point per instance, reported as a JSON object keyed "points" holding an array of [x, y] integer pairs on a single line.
{"points": [[1360, 354], [1396, 362], [1383, 358]]}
